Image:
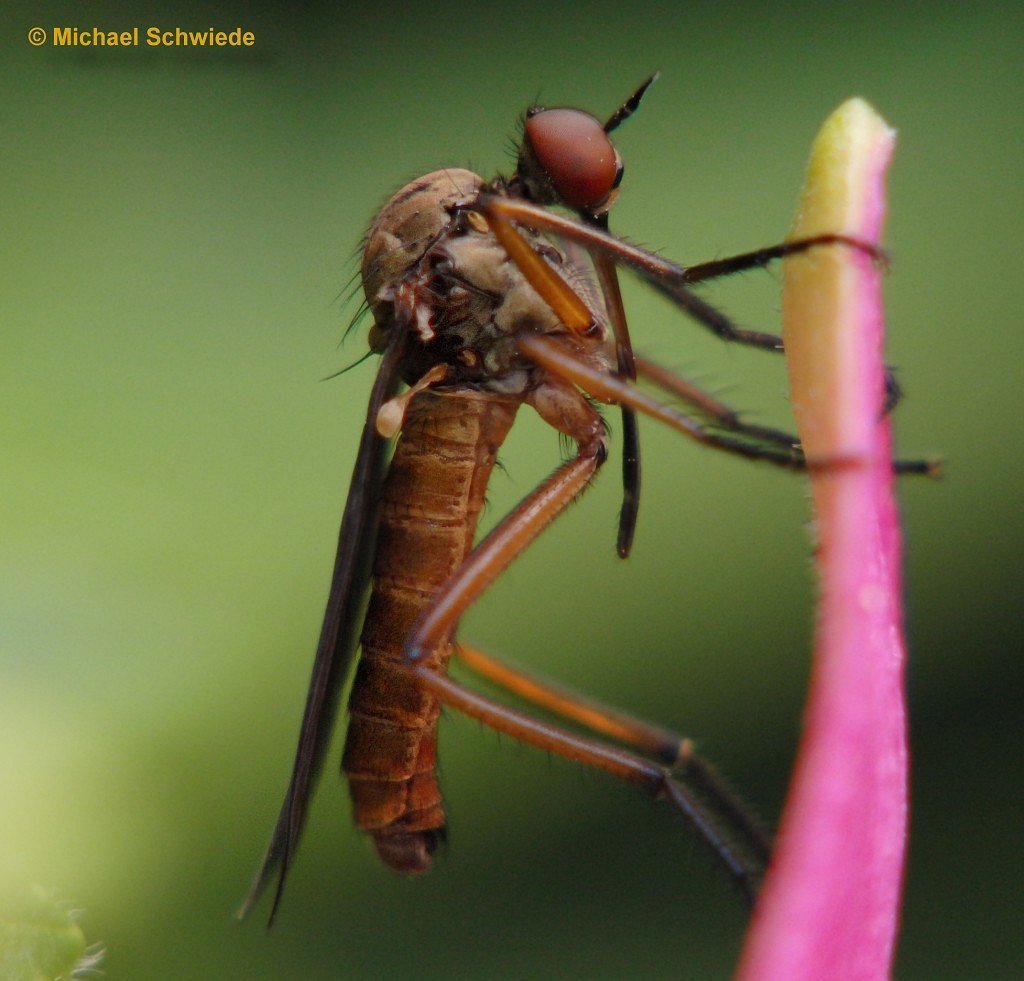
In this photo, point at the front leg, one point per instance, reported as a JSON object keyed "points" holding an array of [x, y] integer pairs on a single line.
{"points": [[674, 281]]}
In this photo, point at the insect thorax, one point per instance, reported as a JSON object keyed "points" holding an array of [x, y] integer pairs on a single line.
{"points": [[431, 267]]}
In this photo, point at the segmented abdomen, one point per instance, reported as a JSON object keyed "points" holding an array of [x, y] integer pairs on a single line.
{"points": [[431, 501]]}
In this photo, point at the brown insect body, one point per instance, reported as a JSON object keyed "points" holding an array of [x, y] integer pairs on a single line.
{"points": [[431, 500], [478, 310], [428, 269]]}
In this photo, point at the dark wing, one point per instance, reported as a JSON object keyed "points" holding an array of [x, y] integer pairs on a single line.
{"points": [[338, 636]]}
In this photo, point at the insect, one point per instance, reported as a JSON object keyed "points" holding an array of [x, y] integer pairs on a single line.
{"points": [[484, 300]]}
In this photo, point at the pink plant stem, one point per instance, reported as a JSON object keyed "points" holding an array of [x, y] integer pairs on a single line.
{"points": [[829, 908]]}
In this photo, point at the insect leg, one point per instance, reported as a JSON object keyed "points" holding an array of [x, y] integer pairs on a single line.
{"points": [[557, 359], [724, 328], [577, 317], [742, 856], [608, 278], [760, 258], [667, 277], [725, 417], [662, 744], [676, 752], [672, 280], [561, 361], [722, 415], [667, 747], [564, 407], [703, 800]]}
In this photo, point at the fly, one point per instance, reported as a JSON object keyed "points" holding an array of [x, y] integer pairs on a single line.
{"points": [[483, 300]]}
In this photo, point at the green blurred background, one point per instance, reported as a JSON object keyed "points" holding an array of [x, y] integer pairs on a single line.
{"points": [[179, 226]]}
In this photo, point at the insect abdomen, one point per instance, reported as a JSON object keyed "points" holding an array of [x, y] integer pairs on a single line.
{"points": [[431, 500]]}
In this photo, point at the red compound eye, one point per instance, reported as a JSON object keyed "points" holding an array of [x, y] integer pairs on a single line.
{"points": [[576, 154]]}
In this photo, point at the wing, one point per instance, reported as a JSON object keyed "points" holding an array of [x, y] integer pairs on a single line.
{"points": [[338, 636]]}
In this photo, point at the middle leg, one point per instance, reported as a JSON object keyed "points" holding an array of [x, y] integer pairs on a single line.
{"points": [[558, 359]]}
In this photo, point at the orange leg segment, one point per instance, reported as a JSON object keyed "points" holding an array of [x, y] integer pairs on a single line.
{"points": [[561, 362], [679, 754], [573, 313], [666, 746], [667, 277], [555, 291], [745, 440], [744, 861]]}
